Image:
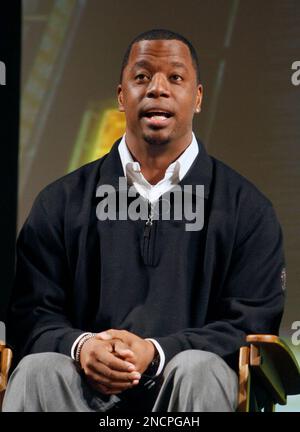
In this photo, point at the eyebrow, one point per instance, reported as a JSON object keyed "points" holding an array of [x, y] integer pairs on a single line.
{"points": [[179, 65], [142, 63], [145, 63]]}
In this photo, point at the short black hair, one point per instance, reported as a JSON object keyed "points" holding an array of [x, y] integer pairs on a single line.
{"points": [[162, 34]]}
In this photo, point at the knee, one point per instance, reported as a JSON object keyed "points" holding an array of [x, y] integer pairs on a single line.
{"points": [[193, 364], [201, 381], [48, 364], [191, 360]]}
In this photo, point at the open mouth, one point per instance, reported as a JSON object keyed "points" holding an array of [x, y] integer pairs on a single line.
{"points": [[160, 115], [157, 119]]}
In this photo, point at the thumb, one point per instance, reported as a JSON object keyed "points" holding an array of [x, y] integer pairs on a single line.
{"points": [[122, 349], [103, 335]]}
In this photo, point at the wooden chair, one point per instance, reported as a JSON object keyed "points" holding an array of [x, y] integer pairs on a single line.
{"points": [[5, 363], [268, 373]]}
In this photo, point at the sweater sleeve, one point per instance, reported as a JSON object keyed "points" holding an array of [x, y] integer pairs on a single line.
{"points": [[252, 297], [38, 317]]}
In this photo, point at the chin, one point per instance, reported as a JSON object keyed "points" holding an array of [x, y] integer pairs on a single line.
{"points": [[156, 139]]}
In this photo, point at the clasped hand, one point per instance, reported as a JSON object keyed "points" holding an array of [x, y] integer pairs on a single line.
{"points": [[114, 360]]}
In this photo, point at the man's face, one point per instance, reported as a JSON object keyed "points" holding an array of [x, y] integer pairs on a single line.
{"points": [[159, 92]]}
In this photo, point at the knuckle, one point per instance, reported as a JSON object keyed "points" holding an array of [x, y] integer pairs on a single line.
{"points": [[92, 352], [109, 373], [111, 363]]}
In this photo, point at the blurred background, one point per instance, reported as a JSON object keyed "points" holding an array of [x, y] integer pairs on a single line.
{"points": [[71, 58]]}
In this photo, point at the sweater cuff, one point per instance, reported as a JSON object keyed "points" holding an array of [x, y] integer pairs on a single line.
{"points": [[170, 346], [67, 342], [162, 357]]}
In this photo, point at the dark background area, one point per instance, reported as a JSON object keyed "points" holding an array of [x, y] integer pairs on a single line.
{"points": [[10, 40]]}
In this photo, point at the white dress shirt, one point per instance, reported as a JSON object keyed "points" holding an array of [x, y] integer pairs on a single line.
{"points": [[173, 175]]}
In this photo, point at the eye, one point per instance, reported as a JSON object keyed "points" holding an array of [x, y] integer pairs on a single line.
{"points": [[141, 77], [176, 77]]}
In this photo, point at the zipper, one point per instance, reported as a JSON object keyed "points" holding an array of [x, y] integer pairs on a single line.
{"points": [[149, 221], [147, 249]]}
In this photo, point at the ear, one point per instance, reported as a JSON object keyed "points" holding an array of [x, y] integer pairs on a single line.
{"points": [[120, 98], [199, 98]]}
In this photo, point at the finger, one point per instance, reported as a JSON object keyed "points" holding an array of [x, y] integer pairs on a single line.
{"points": [[122, 349], [110, 334], [98, 379], [113, 362], [111, 375], [103, 336], [116, 334], [119, 385]]}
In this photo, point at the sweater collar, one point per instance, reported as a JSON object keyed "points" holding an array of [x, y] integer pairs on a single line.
{"points": [[200, 172]]}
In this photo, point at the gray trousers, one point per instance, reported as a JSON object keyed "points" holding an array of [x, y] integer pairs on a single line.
{"points": [[194, 381]]}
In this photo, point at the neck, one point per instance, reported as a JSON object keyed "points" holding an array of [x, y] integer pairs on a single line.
{"points": [[154, 159]]}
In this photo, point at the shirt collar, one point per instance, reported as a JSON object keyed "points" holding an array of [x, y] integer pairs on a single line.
{"points": [[180, 166]]}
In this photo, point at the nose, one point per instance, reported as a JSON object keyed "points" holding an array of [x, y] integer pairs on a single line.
{"points": [[158, 86]]}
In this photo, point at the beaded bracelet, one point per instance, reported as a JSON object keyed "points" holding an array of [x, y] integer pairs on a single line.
{"points": [[80, 345]]}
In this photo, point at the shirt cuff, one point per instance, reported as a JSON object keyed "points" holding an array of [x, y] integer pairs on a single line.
{"points": [[162, 356], [75, 344]]}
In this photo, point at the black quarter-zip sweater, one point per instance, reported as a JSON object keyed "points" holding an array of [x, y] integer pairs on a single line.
{"points": [[202, 289]]}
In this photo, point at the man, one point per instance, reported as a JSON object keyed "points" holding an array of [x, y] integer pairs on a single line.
{"points": [[127, 314]]}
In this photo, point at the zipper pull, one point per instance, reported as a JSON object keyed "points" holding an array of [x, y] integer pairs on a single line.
{"points": [[148, 226], [149, 222]]}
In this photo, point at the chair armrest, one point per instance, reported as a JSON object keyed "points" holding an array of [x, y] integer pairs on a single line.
{"points": [[276, 364], [244, 380], [5, 363]]}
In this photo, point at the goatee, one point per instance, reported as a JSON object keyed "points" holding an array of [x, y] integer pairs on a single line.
{"points": [[156, 141]]}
